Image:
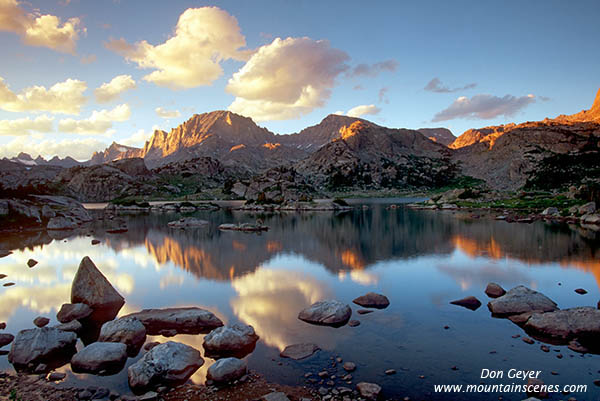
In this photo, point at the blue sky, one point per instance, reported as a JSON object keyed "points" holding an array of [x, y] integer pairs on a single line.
{"points": [[491, 55]]}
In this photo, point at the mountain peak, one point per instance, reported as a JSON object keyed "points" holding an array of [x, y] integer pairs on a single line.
{"points": [[596, 106]]}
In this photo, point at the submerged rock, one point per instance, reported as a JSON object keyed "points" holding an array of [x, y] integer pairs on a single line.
{"points": [[168, 364], [92, 288], [494, 290], [299, 351], [243, 227], [520, 300], [188, 222], [69, 312], [183, 320], [328, 312], [369, 390], [235, 340], [109, 357], [582, 324], [127, 330], [46, 345], [372, 300], [227, 370], [470, 302]]}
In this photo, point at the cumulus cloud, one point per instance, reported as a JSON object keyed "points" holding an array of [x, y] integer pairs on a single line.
{"points": [[63, 97], [435, 85], [100, 122], [484, 107], [109, 91], [80, 149], [203, 38], [286, 79], [366, 70], [26, 126], [162, 113], [362, 110], [40, 30]]}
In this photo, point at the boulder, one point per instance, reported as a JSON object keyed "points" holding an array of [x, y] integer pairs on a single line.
{"points": [[372, 300], [236, 340], [581, 324], [551, 211], [328, 313], [275, 396], [41, 321], [106, 357], [127, 330], [46, 345], [494, 290], [69, 312], [369, 390], [470, 302], [227, 370], [73, 326], [93, 289], [61, 223], [188, 222], [168, 364], [183, 320], [521, 300], [299, 351], [6, 339], [591, 219], [588, 208]]}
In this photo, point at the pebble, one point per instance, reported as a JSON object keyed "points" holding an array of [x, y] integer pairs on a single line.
{"points": [[349, 366], [353, 323], [323, 374], [545, 348], [528, 340], [364, 311], [390, 372], [581, 291]]}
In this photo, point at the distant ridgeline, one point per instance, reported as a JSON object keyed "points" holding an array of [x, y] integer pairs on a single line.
{"points": [[222, 154]]}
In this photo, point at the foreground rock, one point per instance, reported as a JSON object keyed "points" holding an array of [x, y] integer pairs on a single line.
{"points": [[183, 320], [369, 390], [236, 340], [329, 313], [73, 326], [188, 222], [100, 357], [168, 364], [92, 288], [521, 300], [372, 300], [581, 324], [227, 370], [299, 351], [70, 312], [41, 321], [47, 345], [470, 302], [127, 330], [494, 290], [43, 211], [243, 227], [6, 339]]}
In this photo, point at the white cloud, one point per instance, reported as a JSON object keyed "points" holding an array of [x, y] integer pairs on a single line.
{"points": [[484, 107], [40, 30], [162, 113], [26, 126], [286, 79], [100, 122], [80, 149], [139, 138], [63, 97], [435, 85], [204, 37], [362, 110], [109, 91]]}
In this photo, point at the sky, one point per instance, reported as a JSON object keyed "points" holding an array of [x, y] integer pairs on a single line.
{"points": [[76, 75]]}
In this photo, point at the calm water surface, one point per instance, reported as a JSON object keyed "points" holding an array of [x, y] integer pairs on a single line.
{"points": [[421, 260]]}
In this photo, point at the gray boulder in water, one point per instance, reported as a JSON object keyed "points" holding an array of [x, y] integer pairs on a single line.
{"points": [[226, 370], [581, 324], [127, 330], [227, 341], [168, 364], [100, 357], [328, 313], [181, 320], [92, 288], [521, 300], [47, 345]]}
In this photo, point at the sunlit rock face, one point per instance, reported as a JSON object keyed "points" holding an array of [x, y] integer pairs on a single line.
{"points": [[270, 300]]}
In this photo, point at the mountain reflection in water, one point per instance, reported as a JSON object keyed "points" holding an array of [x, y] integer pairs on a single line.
{"points": [[420, 259]]}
